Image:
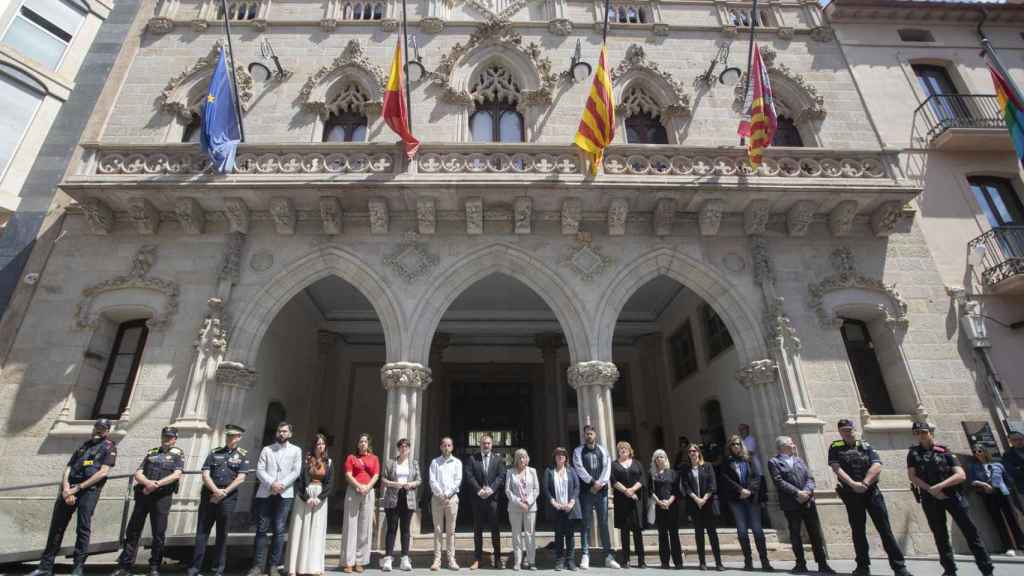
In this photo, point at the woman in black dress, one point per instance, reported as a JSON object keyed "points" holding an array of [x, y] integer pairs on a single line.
{"points": [[700, 490], [665, 493], [627, 478]]}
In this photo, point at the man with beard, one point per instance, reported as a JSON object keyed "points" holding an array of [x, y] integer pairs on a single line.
{"points": [[278, 468]]}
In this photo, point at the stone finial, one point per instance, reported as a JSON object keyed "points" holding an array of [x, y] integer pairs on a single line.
{"points": [[664, 216], [522, 214], [330, 215], [799, 218], [755, 217], [759, 372], [283, 212], [474, 215], [618, 211], [237, 213], [99, 215], [426, 215], [405, 375], [572, 214], [885, 218], [840, 219], [710, 217], [379, 217], [190, 215], [145, 216], [593, 373], [235, 374]]}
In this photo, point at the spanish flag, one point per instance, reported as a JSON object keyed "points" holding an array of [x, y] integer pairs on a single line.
{"points": [[1013, 112], [760, 121], [395, 113], [597, 127]]}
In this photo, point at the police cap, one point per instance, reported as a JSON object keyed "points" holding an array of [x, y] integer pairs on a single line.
{"points": [[169, 431], [844, 423], [103, 423], [918, 426], [233, 429]]}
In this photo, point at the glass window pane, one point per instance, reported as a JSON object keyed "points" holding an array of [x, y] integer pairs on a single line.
{"points": [[130, 340], [983, 203], [632, 137], [111, 404], [511, 129], [122, 370], [19, 106], [359, 133], [481, 126], [61, 14], [34, 42], [334, 134]]}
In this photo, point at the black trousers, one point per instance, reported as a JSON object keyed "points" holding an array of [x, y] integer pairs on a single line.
{"points": [[705, 520], [858, 507], [1003, 513], [156, 507], [211, 514], [935, 511], [667, 522], [564, 539], [485, 515], [806, 515], [85, 505], [398, 517], [638, 544]]}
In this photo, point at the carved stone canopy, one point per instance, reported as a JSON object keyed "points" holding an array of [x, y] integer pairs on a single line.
{"points": [[846, 276], [137, 278], [666, 91], [758, 373], [178, 96], [351, 67], [235, 374]]}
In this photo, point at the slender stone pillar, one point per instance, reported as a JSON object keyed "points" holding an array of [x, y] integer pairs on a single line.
{"points": [[405, 383], [593, 383]]}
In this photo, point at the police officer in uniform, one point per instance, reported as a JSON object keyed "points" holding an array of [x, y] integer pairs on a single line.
{"points": [[937, 475], [858, 466], [84, 476], [156, 481], [223, 472]]}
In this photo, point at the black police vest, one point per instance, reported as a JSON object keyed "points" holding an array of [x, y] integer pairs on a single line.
{"points": [[87, 461], [160, 464]]}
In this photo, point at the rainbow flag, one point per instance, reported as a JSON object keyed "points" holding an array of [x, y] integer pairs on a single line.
{"points": [[597, 127], [760, 121], [1013, 112], [395, 114]]}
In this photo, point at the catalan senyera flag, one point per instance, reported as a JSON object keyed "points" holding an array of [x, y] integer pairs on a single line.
{"points": [[394, 111], [597, 127], [1013, 112], [760, 120]]}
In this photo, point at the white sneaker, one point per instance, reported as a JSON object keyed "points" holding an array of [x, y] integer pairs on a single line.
{"points": [[611, 563], [452, 563], [385, 563], [406, 564], [585, 562], [1011, 552]]}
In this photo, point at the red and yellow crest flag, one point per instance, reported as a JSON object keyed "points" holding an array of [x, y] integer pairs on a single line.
{"points": [[760, 121], [597, 127], [395, 113]]}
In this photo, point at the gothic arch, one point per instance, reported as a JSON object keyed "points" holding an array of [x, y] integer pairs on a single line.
{"points": [[351, 66], [724, 296], [264, 306], [635, 70], [504, 259], [177, 97]]}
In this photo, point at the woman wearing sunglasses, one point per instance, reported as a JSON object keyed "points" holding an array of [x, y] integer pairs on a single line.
{"points": [[989, 479]]}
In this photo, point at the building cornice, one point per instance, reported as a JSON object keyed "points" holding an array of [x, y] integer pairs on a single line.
{"points": [[931, 12]]}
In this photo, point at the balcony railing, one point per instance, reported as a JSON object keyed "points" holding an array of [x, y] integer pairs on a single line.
{"points": [[942, 112], [1002, 254]]}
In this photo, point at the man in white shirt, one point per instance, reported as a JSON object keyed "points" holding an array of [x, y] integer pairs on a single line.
{"points": [[278, 467], [445, 480]]}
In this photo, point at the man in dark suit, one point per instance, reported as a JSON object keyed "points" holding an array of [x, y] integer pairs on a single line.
{"points": [[795, 485], [485, 475]]}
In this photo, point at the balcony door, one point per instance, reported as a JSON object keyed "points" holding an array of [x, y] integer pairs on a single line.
{"points": [[946, 103], [998, 200]]}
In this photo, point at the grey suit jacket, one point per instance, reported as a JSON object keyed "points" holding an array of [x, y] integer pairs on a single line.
{"points": [[391, 494], [789, 480]]}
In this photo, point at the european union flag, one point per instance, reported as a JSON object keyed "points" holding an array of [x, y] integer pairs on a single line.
{"points": [[220, 134]]}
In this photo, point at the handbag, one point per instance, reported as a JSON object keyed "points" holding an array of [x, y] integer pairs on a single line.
{"points": [[651, 511]]}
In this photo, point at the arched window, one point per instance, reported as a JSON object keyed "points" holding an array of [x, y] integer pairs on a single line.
{"points": [[346, 121], [193, 128], [867, 370], [496, 117], [643, 122], [122, 367], [787, 134]]}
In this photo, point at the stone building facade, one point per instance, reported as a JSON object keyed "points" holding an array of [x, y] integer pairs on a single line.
{"points": [[484, 286]]}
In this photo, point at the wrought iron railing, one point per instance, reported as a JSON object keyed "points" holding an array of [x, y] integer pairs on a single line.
{"points": [[941, 112], [1002, 253]]}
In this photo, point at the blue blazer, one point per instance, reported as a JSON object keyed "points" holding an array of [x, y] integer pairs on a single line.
{"points": [[548, 489], [789, 480], [997, 479]]}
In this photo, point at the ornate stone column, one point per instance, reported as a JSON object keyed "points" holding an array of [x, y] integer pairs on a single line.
{"points": [[593, 383], [405, 383]]}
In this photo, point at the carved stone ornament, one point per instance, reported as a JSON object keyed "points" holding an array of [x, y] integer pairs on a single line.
{"points": [[799, 217], [572, 214], [353, 61], [636, 63], [190, 215], [805, 103], [235, 374], [405, 375], [174, 97], [99, 215], [137, 278], [213, 335], [489, 8], [410, 260], [846, 276], [283, 213], [778, 327], [330, 215], [618, 212], [664, 216], [379, 216], [431, 25], [231, 265], [522, 215], [560, 26], [759, 372], [885, 218], [474, 216], [710, 217], [494, 32], [585, 259], [840, 219], [764, 273], [426, 215], [755, 217], [237, 213], [160, 25], [822, 34], [145, 216], [593, 373]]}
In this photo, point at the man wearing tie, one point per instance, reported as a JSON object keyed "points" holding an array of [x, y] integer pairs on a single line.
{"points": [[485, 474]]}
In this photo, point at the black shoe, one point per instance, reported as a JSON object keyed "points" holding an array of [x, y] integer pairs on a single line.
{"points": [[903, 572], [719, 568], [121, 572], [798, 569], [766, 566], [570, 566], [41, 572], [748, 566], [703, 566], [825, 569], [154, 571], [863, 571], [949, 574], [642, 565], [78, 570], [255, 571]]}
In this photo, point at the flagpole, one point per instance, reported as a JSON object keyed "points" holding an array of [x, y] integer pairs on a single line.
{"points": [[231, 71], [405, 66], [988, 50], [604, 35], [750, 55]]}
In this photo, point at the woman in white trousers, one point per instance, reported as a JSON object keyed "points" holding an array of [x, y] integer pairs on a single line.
{"points": [[362, 470], [522, 488]]}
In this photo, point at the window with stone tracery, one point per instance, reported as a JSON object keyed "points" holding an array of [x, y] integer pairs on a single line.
{"points": [[787, 133], [240, 10], [745, 17], [362, 11], [346, 120], [496, 117], [631, 13], [643, 118]]}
